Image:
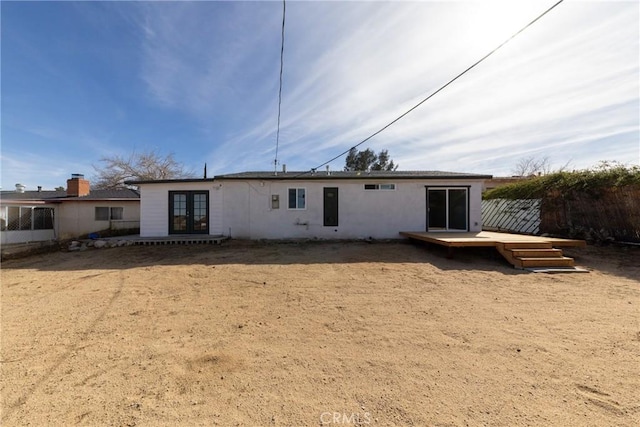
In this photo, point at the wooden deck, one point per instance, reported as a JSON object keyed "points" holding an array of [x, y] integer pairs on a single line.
{"points": [[520, 250], [487, 239]]}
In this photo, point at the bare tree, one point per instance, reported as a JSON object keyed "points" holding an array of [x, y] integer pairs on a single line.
{"points": [[147, 165], [528, 166]]}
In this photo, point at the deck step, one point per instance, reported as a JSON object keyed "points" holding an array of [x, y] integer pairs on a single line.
{"points": [[527, 245], [536, 253], [546, 262]]}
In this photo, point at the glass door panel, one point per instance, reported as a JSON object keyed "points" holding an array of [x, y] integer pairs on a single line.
{"points": [[447, 209], [437, 209], [458, 209], [188, 212], [179, 212], [200, 218]]}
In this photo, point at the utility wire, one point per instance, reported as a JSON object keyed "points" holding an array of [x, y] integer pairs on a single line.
{"points": [[434, 93], [284, 10]]}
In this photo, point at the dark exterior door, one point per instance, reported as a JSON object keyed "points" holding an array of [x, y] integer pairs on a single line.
{"points": [[447, 209], [436, 209], [330, 206], [188, 212]]}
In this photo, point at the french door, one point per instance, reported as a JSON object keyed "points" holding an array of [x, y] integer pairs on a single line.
{"points": [[188, 212], [447, 209]]}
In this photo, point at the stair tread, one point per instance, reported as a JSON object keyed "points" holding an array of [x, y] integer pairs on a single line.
{"points": [[547, 253], [535, 249]]}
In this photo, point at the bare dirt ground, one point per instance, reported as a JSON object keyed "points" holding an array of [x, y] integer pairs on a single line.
{"points": [[318, 334]]}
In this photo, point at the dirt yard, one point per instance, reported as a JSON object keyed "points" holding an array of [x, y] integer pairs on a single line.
{"points": [[261, 334]]}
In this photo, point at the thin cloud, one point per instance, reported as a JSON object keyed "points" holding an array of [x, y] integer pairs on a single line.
{"points": [[553, 76], [201, 79]]}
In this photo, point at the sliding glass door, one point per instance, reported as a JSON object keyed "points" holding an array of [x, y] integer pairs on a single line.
{"points": [[447, 209]]}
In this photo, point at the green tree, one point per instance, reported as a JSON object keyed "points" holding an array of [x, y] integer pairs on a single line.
{"points": [[368, 160]]}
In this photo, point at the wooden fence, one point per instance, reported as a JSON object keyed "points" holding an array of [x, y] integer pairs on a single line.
{"points": [[605, 214], [610, 214]]}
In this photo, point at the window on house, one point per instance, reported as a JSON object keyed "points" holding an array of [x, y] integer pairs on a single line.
{"points": [[297, 198], [379, 186], [117, 213], [28, 218], [3, 218], [104, 213], [25, 218], [13, 218], [19, 218], [43, 218]]}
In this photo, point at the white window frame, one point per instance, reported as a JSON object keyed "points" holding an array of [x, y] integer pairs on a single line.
{"points": [[110, 214], [304, 198], [380, 187]]}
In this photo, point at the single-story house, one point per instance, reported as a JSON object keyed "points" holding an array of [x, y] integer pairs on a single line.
{"points": [[37, 216], [323, 205]]}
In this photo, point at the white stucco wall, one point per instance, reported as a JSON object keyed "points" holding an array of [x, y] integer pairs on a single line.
{"points": [[154, 206], [242, 208], [74, 219], [380, 214]]}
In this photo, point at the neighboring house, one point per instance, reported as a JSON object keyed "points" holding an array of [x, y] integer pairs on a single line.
{"points": [[35, 216], [323, 205]]}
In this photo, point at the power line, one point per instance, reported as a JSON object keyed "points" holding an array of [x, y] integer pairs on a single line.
{"points": [[437, 91], [284, 10]]}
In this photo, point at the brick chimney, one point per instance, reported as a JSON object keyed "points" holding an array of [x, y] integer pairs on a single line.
{"points": [[77, 186]]}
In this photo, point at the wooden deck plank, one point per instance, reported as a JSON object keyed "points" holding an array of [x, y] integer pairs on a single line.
{"points": [[519, 250], [486, 239]]}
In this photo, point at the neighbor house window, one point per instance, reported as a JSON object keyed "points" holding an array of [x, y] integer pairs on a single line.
{"points": [[13, 218], [104, 213], [379, 186], [28, 218], [117, 213], [43, 218], [297, 198]]}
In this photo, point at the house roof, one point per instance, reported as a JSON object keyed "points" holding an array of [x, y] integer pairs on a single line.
{"points": [[353, 175], [323, 175], [61, 196]]}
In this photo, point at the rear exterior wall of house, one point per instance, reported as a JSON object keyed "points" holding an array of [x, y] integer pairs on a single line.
{"points": [[294, 209]]}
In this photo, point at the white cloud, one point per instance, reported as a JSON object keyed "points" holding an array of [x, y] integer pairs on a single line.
{"points": [[534, 96]]}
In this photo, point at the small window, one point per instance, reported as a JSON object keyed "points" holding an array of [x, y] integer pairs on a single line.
{"points": [[117, 213], [102, 214], [379, 186], [13, 220], [297, 198], [43, 218]]}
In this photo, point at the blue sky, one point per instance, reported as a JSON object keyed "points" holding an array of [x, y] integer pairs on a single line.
{"points": [[84, 80]]}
